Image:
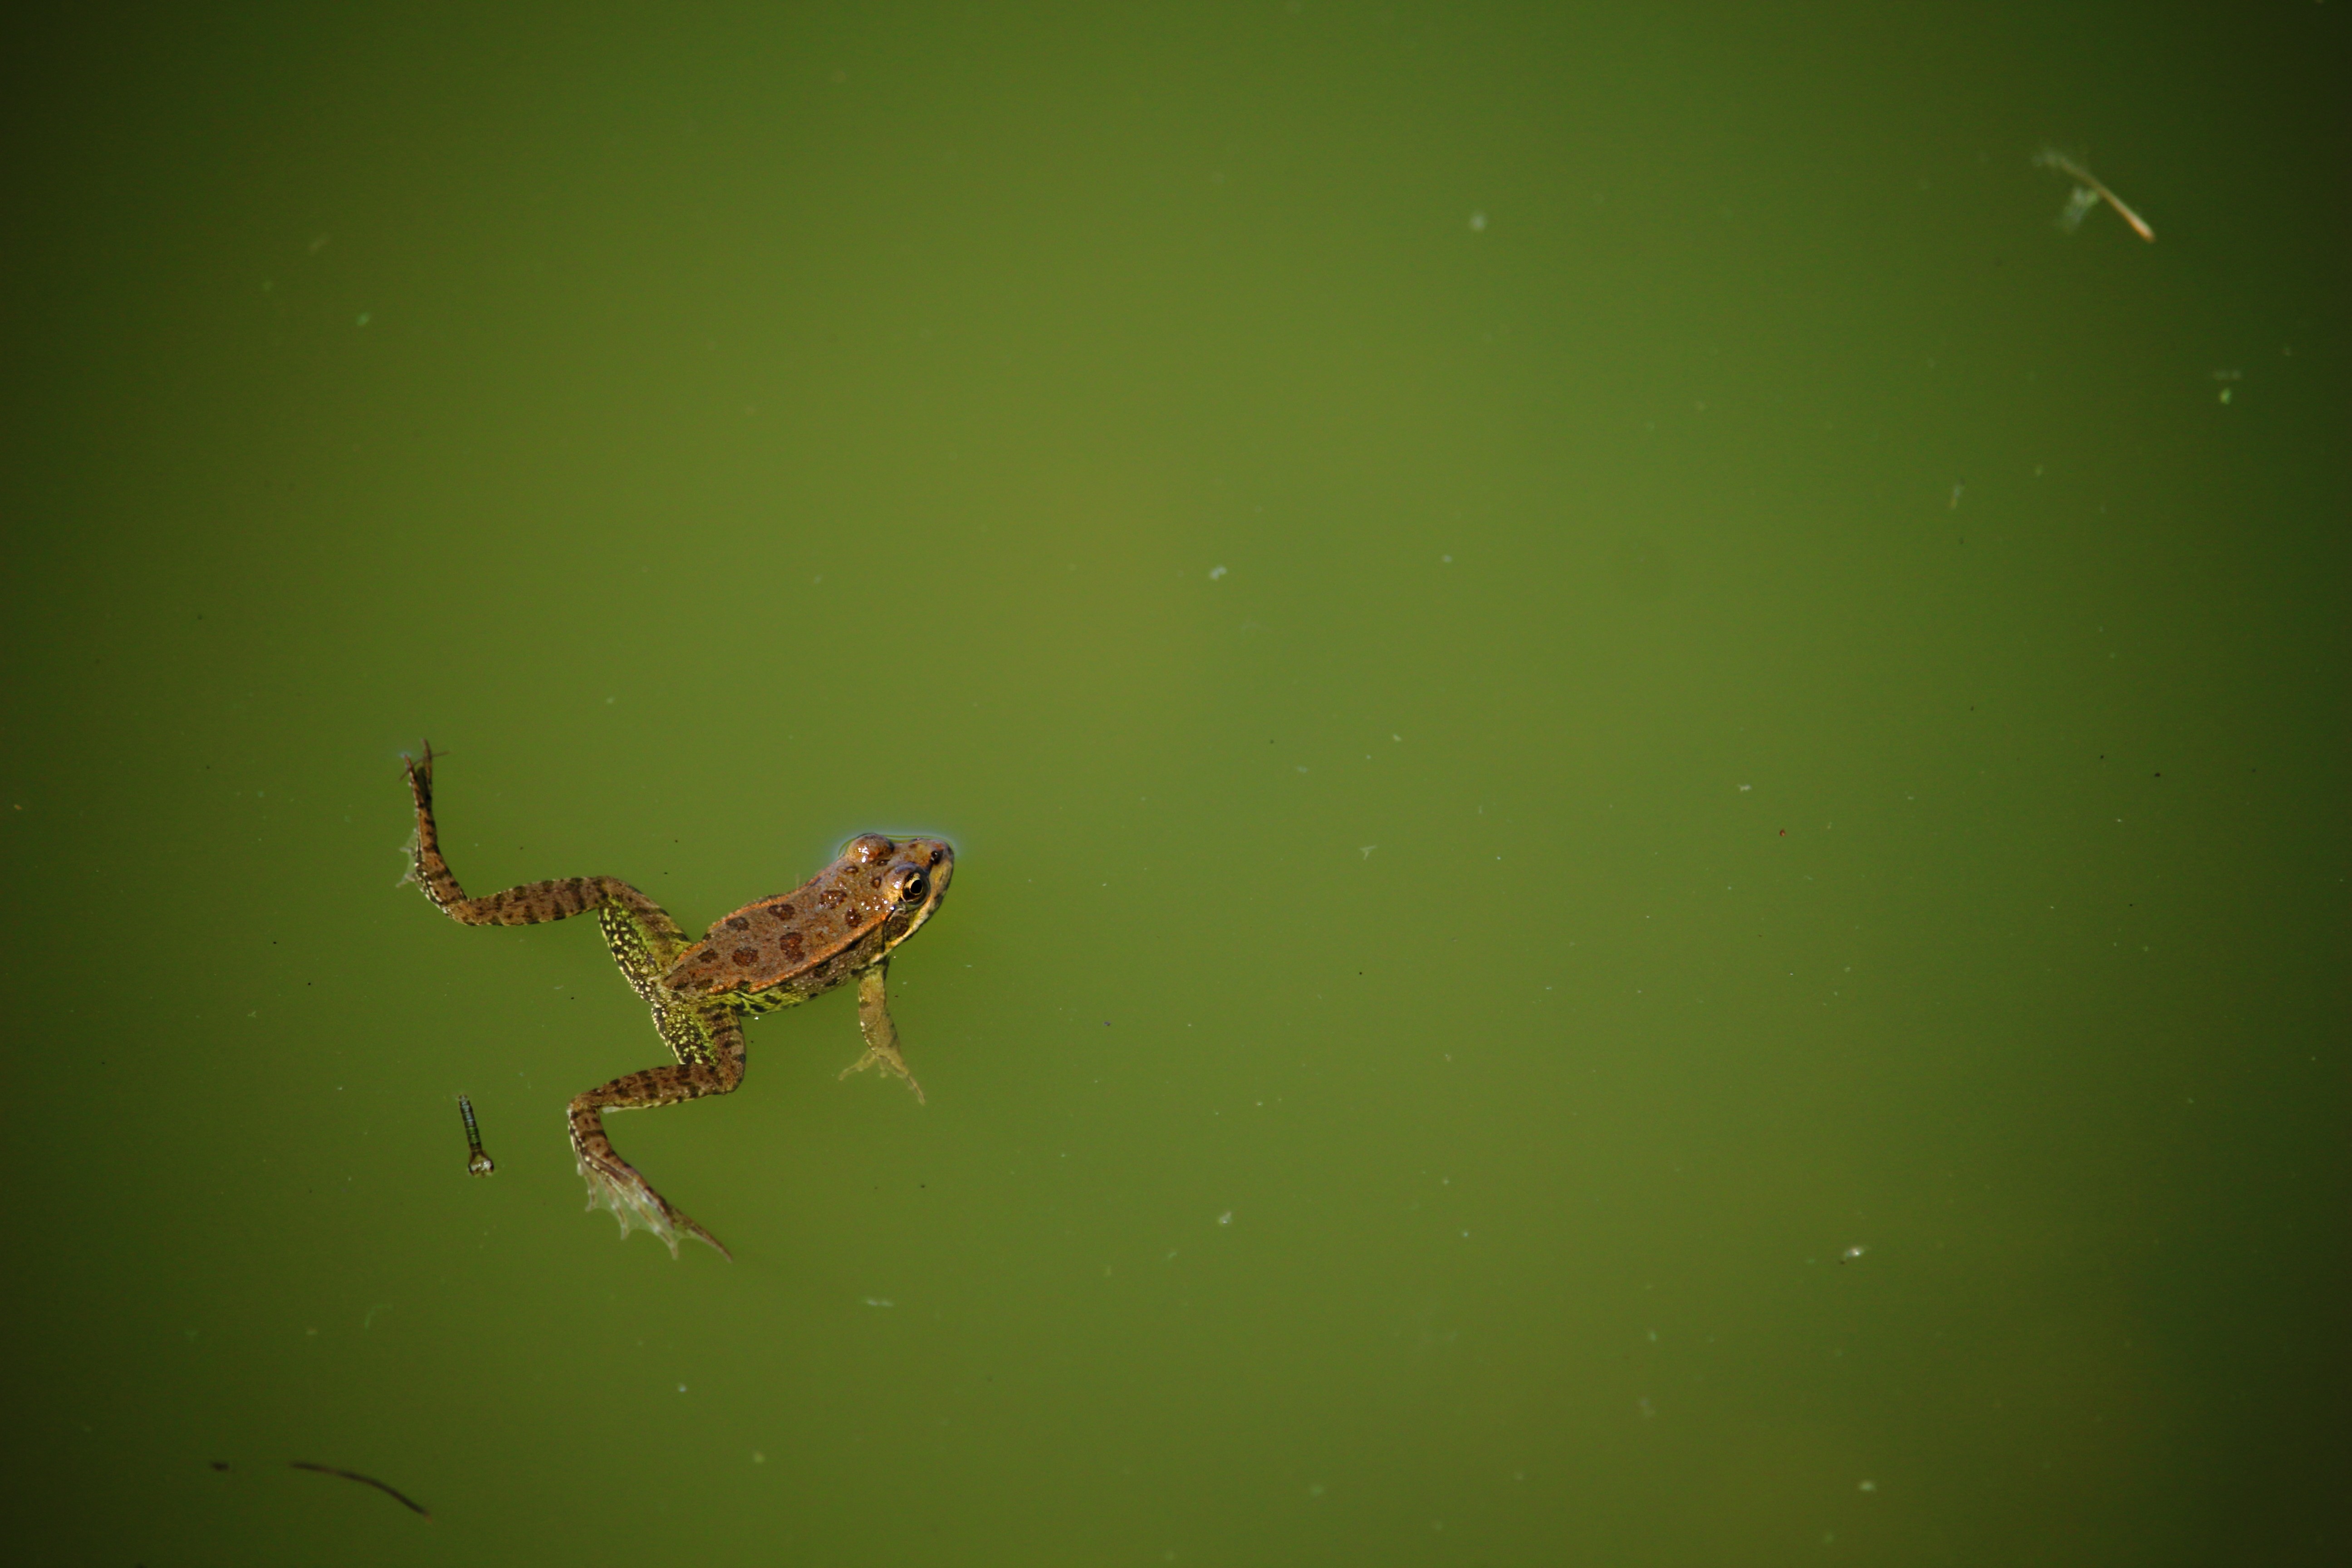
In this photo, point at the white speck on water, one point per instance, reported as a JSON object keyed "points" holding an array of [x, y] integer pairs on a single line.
{"points": [[1215, 573], [1477, 223], [682, 1388], [879, 1301], [1869, 1487], [1224, 1218], [1367, 850]]}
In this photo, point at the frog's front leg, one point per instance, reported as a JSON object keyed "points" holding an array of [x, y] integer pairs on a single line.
{"points": [[881, 1034], [613, 1181]]}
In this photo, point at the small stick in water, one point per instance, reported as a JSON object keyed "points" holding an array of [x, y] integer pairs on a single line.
{"points": [[400, 1498], [2088, 193], [479, 1163]]}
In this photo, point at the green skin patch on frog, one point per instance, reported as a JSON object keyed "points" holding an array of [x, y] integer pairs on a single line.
{"points": [[840, 923]]}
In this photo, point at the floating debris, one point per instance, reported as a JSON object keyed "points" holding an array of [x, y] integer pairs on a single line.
{"points": [[2089, 193], [402, 1498]]}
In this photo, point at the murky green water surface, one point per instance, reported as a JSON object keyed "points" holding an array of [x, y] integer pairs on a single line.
{"points": [[1650, 790]]}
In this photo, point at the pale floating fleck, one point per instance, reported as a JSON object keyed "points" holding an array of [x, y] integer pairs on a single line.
{"points": [[1850, 1253], [880, 1302], [1215, 573], [1477, 223], [1224, 1218], [1869, 1487], [1745, 788], [1366, 849]]}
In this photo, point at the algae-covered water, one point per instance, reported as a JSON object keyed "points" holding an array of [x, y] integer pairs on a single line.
{"points": [[1649, 791]]}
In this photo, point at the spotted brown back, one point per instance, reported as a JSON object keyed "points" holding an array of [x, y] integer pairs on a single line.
{"points": [[798, 944]]}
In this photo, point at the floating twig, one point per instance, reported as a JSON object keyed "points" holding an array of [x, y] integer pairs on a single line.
{"points": [[402, 1498], [2089, 192]]}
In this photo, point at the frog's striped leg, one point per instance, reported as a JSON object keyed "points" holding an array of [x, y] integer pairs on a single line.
{"points": [[644, 941], [713, 1064]]}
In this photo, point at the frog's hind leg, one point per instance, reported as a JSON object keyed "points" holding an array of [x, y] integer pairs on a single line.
{"points": [[613, 1181], [645, 941], [643, 924]]}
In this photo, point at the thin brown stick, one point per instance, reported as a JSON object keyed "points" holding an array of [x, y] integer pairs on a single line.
{"points": [[2059, 160], [402, 1498]]}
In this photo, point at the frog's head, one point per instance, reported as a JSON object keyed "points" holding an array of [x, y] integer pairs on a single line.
{"points": [[909, 872]]}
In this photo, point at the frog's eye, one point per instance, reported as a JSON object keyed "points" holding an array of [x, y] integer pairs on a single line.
{"points": [[912, 886]]}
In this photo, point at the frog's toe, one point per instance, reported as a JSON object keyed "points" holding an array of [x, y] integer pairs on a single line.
{"points": [[889, 1061], [638, 1208]]}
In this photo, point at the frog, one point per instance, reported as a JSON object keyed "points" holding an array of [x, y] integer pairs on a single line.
{"points": [[842, 924]]}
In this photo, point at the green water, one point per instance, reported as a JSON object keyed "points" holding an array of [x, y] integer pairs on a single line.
{"points": [[1576, 661]]}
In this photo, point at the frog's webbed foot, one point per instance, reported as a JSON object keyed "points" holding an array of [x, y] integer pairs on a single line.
{"points": [[881, 1034], [888, 1058], [612, 1183]]}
